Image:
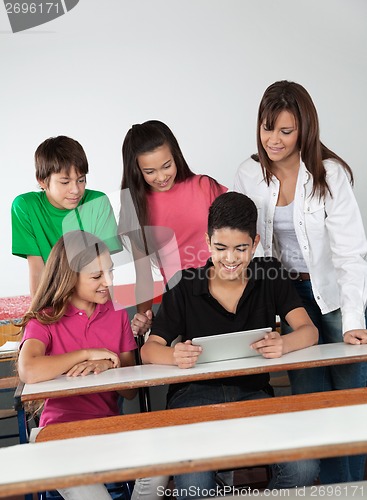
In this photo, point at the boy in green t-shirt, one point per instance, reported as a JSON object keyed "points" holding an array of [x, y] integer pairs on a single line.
{"points": [[39, 219]]}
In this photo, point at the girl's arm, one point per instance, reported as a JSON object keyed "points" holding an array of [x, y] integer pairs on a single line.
{"points": [[304, 335], [128, 359], [144, 288], [35, 366]]}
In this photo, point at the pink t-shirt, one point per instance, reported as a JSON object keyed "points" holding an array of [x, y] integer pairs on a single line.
{"points": [[106, 328], [180, 217]]}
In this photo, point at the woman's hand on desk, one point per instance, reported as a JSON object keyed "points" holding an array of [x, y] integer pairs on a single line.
{"points": [[355, 337], [185, 354], [142, 322], [271, 346]]}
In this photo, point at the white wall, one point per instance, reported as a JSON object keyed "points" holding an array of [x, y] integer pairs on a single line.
{"points": [[199, 65]]}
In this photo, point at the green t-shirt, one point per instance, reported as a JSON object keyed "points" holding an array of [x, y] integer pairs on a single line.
{"points": [[37, 225]]}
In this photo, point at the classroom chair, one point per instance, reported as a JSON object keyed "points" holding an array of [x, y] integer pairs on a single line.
{"points": [[8, 332], [256, 476], [8, 385]]}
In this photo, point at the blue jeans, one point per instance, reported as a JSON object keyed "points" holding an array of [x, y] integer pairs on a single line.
{"points": [[327, 378], [324, 378], [201, 484], [110, 491]]}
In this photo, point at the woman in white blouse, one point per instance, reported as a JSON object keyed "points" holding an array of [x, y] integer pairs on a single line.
{"points": [[309, 219]]}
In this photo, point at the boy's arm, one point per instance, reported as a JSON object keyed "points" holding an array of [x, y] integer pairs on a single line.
{"points": [[304, 332], [289, 307], [304, 335], [24, 238], [183, 354], [35, 267], [34, 366]]}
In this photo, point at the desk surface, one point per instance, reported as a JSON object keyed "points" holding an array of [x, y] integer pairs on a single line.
{"points": [[152, 375], [184, 448], [8, 355], [207, 413]]}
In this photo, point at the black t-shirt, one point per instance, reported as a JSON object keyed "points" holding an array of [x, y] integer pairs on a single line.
{"points": [[189, 310]]}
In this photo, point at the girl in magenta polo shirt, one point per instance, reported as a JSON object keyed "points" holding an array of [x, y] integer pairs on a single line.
{"points": [[72, 328], [164, 208]]}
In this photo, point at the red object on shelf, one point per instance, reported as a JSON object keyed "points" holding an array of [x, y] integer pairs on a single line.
{"points": [[14, 307]]}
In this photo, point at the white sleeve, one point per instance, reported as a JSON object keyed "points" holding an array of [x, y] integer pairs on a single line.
{"points": [[348, 246], [239, 184]]}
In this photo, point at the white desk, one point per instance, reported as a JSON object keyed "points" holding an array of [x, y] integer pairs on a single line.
{"points": [[9, 351], [10, 355], [152, 375], [184, 448]]}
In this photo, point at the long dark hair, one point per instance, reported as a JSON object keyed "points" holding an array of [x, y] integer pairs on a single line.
{"points": [[143, 138], [290, 96]]}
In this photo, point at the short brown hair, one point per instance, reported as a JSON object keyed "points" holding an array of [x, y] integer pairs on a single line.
{"points": [[58, 154]]}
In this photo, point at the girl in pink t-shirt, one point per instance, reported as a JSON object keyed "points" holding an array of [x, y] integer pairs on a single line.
{"points": [[72, 328], [164, 210]]}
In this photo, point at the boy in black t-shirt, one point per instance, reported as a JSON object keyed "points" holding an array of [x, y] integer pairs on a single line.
{"points": [[233, 291]]}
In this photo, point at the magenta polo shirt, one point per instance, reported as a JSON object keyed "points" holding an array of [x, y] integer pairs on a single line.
{"points": [[106, 328]]}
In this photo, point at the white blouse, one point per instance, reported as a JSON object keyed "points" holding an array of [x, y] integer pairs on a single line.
{"points": [[329, 231]]}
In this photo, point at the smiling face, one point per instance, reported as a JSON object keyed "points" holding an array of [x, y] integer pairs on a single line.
{"points": [[231, 252], [158, 168], [280, 143], [64, 190], [93, 283]]}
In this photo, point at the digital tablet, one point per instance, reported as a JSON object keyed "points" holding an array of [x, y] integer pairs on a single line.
{"points": [[229, 345]]}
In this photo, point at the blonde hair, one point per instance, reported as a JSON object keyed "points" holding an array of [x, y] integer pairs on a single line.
{"points": [[72, 252]]}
